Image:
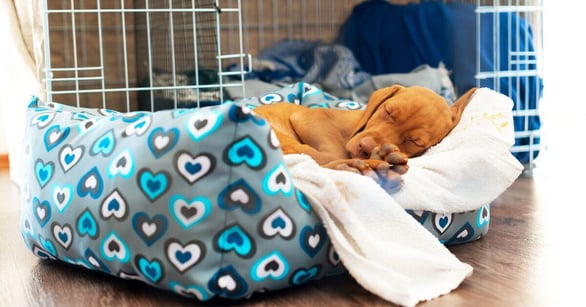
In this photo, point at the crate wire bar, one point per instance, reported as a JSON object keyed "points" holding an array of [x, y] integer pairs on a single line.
{"points": [[97, 49]]}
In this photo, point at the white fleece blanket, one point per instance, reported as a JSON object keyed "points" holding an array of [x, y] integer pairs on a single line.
{"points": [[471, 166], [382, 246]]}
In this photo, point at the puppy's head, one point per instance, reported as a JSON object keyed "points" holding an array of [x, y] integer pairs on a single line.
{"points": [[413, 118]]}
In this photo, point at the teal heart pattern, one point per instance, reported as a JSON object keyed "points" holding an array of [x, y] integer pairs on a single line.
{"points": [[312, 239], [462, 235], [42, 119], [104, 145], [139, 123], [152, 269], [483, 217], [91, 184], [48, 246], [303, 201], [87, 225], [245, 151], [153, 185], [199, 202], [44, 172], [55, 135], [114, 248], [235, 238], [86, 124], [94, 261], [303, 275], [41, 211]]}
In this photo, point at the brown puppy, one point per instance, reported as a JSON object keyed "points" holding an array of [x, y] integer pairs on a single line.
{"points": [[398, 123]]}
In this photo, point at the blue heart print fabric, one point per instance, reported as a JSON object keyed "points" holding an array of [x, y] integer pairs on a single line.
{"points": [[195, 201], [199, 202]]}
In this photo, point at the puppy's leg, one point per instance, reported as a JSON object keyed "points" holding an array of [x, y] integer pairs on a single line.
{"points": [[291, 145]]}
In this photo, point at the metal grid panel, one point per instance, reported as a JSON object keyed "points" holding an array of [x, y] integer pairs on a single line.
{"points": [[99, 53], [74, 58], [517, 68], [268, 22]]}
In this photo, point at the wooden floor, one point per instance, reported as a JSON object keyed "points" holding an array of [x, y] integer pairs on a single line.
{"points": [[532, 256]]}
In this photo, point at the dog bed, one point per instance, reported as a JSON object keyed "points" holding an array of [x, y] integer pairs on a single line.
{"points": [[202, 202]]}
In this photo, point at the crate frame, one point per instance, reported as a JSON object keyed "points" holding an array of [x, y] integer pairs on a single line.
{"points": [[244, 29]]}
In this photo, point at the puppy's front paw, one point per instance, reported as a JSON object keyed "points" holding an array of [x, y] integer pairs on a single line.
{"points": [[389, 175], [391, 154]]}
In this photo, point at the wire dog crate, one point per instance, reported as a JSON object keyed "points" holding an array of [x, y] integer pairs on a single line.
{"points": [[124, 54], [155, 54]]}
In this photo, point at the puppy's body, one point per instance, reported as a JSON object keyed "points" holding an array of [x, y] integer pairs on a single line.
{"points": [[398, 123], [304, 130]]}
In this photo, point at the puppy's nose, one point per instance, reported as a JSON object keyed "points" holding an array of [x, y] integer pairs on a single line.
{"points": [[366, 146]]}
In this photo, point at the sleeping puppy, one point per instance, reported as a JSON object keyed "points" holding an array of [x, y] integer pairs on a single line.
{"points": [[398, 123]]}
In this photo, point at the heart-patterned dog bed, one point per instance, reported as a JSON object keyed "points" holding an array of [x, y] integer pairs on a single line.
{"points": [[195, 201]]}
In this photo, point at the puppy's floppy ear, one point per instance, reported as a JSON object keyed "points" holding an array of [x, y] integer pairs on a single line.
{"points": [[376, 99], [458, 107]]}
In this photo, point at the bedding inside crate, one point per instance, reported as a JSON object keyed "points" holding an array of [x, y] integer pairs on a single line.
{"points": [[189, 89]]}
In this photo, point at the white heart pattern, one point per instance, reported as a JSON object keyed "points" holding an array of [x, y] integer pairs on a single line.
{"points": [[277, 223], [278, 180], [203, 123], [194, 168], [69, 156], [62, 197], [63, 235], [122, 165], [185, 256], [114, 205]]}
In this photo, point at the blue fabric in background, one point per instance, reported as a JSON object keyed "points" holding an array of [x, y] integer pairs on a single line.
{"points": [[387, 38], [331, 65]]}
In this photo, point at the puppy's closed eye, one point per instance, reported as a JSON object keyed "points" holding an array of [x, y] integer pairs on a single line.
{"points": [[389, 113], [417, 142]]}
